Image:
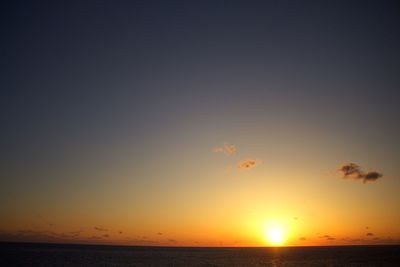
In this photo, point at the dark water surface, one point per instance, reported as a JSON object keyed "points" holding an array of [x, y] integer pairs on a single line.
{"points": [[25, 254]]}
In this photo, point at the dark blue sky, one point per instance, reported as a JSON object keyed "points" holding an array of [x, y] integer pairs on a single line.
{"points": [[79, 66]]}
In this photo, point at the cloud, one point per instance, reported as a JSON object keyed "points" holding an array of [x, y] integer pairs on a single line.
{"points": [[100, 229], [370, 234], [159, 233], [302, 238], [37, 236], [328, 237], [352, 170], [96, 237], [248, 164], [141, 241], [227, 149], [75, 233], [372, 176]]}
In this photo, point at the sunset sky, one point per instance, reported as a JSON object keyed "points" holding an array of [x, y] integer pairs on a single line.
{"points": [[201, 123]]}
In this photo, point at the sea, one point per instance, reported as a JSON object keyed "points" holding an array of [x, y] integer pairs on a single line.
{"points": [[34, 254]]}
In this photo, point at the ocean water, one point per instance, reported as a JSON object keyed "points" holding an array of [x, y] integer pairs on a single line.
{"points": [[19, 254]]}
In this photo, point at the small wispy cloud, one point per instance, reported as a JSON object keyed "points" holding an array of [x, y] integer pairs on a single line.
{"points": [[328, 237], [227, 149], [94, 237], [248, 164], [372, 176], [353, 171], [100, 229], [350, 169], [75, 233], [369, 234]]}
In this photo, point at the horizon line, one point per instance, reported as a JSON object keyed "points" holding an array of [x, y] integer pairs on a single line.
{"points": [[183, 246]]}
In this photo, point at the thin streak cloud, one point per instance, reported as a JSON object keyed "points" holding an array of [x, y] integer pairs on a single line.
{"points": [[100, 229]]}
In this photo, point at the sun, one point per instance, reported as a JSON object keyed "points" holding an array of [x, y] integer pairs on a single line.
{"points": [[275, 236]]}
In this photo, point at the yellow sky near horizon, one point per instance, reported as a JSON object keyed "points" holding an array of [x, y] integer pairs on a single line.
{"points": [[237, 205]]}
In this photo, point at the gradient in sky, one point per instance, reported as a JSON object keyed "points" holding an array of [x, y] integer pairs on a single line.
{"points": [[200, 123]]}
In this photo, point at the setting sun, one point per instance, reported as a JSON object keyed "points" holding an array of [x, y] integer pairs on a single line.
{"points": [[275, 236]]}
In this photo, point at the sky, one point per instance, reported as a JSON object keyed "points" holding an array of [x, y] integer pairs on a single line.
{"points": [[200, 123]]}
